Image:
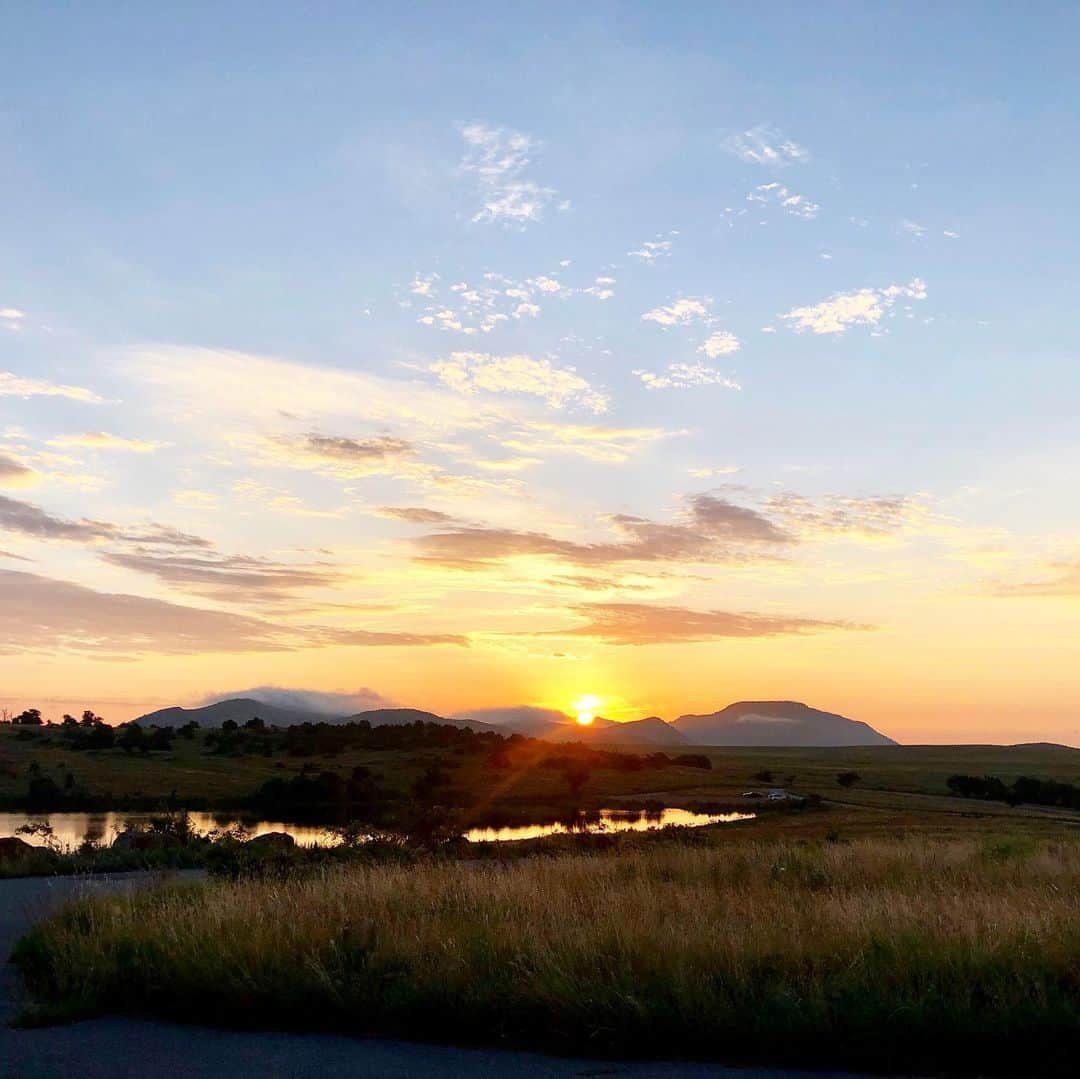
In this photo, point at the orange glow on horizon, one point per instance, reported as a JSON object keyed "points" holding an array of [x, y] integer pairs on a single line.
{"points": [[585, 709]]}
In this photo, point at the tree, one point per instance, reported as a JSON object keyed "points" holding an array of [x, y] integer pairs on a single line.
{"points": [[69, 721], [848, 779], [30, 718], [576, 774], [230, 725]]}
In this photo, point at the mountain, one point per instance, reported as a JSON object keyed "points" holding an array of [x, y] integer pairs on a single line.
{"points": [[385, 717], [519, 719], [240, 709], [557, 726], [652, 731], [777, 723]]}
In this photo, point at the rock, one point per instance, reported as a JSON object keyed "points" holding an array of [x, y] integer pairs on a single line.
{"points": [[11, 847], [271, 843], [133, 839]]}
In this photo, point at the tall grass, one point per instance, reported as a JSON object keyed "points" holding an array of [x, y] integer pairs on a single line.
{"points": [[903, 955]]}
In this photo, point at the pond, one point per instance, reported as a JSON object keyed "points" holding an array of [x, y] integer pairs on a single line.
{"points": [[71, 829]]}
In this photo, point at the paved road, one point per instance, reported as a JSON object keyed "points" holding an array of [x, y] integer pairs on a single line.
{"points": [[133, 1049]]}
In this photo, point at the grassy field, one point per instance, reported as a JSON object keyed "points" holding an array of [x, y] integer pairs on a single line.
{"points": [[904, 779], [916, 955]]}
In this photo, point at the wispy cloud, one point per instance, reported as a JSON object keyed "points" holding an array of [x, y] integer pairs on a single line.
{"points": [[560, 387], [709, 529], [776, 194], [497, 158], [1060, 579], [681, 312], [642, 623], [12, 385], [681, 376], [30, 520], [347, 458], [102, 440], [14, 473], [864, 307], [652, 250], [44, 614], [611, 445], [764, 145]]}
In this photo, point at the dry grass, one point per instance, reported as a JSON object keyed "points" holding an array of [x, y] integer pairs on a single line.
{"points": [[913, 954]]}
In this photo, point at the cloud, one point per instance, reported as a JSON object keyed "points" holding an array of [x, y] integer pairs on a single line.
{"points": [[469, 372], [418, 515], [229, 577], [422, 286], [101, 440], [12, 385], [709, 529], [13, 473], [31, 520], [41, 614], [497, 158], [651, 250], [224, 390], [764, 145], [350, 458], [864, 307], [777, 194], [912, 228], [720, 343], [1063, 579], [611, 445], [680, 313], [706, 473], [681, 376], [641, 623], [862, 516], [308, 700]]}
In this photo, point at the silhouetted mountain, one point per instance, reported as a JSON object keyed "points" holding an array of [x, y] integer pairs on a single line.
{"points": [[777, 723], [652, 731], [240, 710], [517, 719], [383, 717]]}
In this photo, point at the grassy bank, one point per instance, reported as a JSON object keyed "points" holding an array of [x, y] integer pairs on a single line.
{"points": [[919, 955]]}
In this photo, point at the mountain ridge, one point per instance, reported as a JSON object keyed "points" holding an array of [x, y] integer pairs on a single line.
{"points": [[743, 723]]}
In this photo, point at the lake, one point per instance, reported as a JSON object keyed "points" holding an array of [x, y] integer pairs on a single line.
{"points": [[71, 829]]}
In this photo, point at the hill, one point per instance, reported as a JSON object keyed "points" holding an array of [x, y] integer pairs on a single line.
{"points": [[652, 731], [239, 709], [777, 723], [384, 717]]}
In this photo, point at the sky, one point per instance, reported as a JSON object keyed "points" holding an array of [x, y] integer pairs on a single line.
{"points": [[499, 355]]}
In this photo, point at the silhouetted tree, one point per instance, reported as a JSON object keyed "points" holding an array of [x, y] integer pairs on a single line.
{"points": [[30, 718]]}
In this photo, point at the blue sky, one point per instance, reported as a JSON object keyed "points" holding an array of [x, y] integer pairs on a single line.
{"points": [[814, 264]]}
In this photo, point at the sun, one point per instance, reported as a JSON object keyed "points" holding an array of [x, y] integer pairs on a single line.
{"points": [[585, 708]]}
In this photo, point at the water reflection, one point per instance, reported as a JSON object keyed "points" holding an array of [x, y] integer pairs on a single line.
{"points": [[605, 820], [70, 830]]}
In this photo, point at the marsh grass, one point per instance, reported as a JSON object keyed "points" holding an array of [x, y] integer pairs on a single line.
{"points": [[917, 955]]}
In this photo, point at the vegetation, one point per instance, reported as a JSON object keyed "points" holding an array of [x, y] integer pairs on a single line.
{"points": [[917, 955], [1043, 792]]}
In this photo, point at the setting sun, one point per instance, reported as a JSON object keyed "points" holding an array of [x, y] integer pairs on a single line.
{"points": [[585, 708]]}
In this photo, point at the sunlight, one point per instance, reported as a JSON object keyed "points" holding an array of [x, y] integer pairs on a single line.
{"points": [[585, 708]]}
